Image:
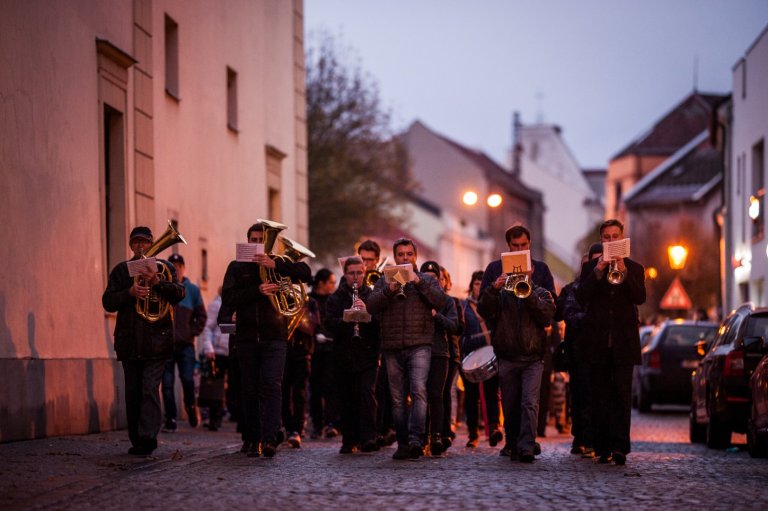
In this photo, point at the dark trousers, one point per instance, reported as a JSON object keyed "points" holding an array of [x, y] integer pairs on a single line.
{"points": [[384, 420], [322, 391], [453, 368], [520, 382], [438, 372], [142, 400], [357, 404], [261, 377], [581, 403], [183, 358], [234, 384], [546, 376], [611, 407], [216, 407], [295, 393], [472, 404]]}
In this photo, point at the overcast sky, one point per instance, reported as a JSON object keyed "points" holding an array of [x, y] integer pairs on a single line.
{"points": [[603, 70]]}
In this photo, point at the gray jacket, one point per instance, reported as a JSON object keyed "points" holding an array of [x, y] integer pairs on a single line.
{"points": [[407, 323]]}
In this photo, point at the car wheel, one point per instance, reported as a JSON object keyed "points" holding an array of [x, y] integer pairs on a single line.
{"points": [[696, 431], [718, 433], [643, 401], [756, 445]]}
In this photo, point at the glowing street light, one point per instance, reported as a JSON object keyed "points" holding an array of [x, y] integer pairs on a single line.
{"points": [[677, 256], [494, 200], [651, 272], [754, 207], [470, 198]]}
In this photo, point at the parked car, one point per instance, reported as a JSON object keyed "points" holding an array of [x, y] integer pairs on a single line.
{"points": [[757, 424], [645, 334], [664, 376], [720, 402]]}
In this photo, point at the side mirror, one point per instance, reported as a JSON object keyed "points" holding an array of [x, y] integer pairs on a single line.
{"points": [[701, 347], [754, 344]]}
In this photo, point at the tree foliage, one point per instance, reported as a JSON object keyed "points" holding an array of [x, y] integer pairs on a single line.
{"points": [[358, 171]]}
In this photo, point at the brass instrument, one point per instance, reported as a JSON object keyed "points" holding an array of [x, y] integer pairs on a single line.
{"points": [[289, 299], [518, 284], [615, 276], [153, 307], [295, 251], [373, 276], [356, 315]]}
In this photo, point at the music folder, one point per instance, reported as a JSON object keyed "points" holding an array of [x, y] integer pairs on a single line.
{"points": [[516, 262]]}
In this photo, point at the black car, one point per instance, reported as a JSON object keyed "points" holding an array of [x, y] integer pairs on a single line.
{"points": [[757, 424], [720, 402], [664, 376]]}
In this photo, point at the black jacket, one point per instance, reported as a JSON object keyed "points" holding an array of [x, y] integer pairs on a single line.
{"points": [[256, 317], [135, 337], [611, 326], [446, 326], [519, 333], [351, 355]]}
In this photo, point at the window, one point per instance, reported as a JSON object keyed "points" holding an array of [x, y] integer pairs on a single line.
{"points": [[231, 99], [617, 192], [172, 57], [204, 265], [758, 186], [274, 182]]}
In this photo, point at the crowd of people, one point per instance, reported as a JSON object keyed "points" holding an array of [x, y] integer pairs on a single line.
{"points": [[378, 360]]}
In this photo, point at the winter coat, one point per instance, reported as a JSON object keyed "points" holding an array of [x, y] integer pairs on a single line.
{"points": [[189, 316], [446, 325], [351, 355]]}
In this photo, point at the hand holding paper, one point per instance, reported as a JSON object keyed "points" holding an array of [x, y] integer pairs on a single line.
{"points": [[616, 249]]}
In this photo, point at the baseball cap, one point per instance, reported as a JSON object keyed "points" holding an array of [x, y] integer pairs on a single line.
{"points": [[176, 258], [141, 232]]}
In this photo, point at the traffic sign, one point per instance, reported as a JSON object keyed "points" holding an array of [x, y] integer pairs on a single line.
{"points": [[676, 298]]}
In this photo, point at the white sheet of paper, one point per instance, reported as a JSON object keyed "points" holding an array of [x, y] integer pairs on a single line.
{"points": [[516, 262], [402, 273], [244, 252], [615, 249], [138, 266]]}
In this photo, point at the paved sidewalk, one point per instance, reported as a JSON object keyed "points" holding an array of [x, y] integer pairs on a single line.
{"points": [[197, 469]]}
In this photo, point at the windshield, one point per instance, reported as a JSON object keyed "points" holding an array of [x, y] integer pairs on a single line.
{"points": [[757, 326], [689, 335]]}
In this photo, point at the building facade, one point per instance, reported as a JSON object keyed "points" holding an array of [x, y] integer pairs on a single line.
{"points": [[745, 247], [124, 113]]}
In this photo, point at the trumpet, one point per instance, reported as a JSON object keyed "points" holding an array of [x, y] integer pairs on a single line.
{"points": [[518, 284], [615, 276], [356, 315]]}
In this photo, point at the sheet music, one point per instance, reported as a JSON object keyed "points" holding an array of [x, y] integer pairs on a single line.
{"points": [[516, 262], [402, 273], [244, 252], [615, 249], [138, 266]]}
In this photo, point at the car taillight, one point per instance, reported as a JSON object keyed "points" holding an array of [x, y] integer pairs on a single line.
{"points": [[654, 359], [734, 363]]}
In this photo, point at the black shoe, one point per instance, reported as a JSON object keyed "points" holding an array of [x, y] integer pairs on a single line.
{"points": [[294, 440], [436, 446], [447, 443], [370, 446], [527, 457], [268, 449], [506, 451], [402, 453], [577, 449], [472, 443], [390, 438], [619, 458], [330, 432], [496, 437], [140, 451], [604, 459], [536, 448], [245, 447], [169, 426], [253, 450], [347, 449], [415, 451], [193, 413]]}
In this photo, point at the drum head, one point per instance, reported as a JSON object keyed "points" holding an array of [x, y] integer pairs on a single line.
{"points": [[478, 358]]}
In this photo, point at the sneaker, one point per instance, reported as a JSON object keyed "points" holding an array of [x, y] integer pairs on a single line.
{"points": [[589, 453], [370, 446], [619, 458], [415, 450], [496, 437], [193, 412], [402, 453], [536, 448], [472, 443], [294, 440], [169, 426]]}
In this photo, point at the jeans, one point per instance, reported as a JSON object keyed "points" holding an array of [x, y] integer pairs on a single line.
{"points": [[261, 365], [184, 358], [408, 370], [520, 384]]}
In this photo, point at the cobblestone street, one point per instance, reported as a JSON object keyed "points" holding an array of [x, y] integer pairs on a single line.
{"points": [[197, 469]]}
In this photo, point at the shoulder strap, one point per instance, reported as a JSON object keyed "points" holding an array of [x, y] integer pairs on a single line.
{"points": [[483, 326]]}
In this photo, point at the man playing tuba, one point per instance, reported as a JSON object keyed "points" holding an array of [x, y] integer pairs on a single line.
{"points": [[262, 332], [143, 342]]}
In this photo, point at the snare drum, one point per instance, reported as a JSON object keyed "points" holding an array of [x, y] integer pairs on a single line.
{"points": [[480, 365]]}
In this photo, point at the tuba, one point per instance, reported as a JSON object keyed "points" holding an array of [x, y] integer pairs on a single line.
{"points": [[153, 307], [519, 285], [290, 298], [615, 276]]}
